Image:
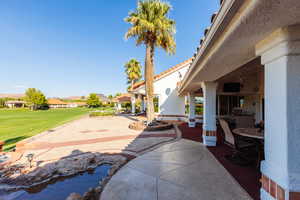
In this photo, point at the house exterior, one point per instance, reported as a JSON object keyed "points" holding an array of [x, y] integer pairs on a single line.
{"points": [[248, 61], [104, 99], [57, 103], [15, 104], [119, 100], [171, 106], [76, 104], [250, 58]]}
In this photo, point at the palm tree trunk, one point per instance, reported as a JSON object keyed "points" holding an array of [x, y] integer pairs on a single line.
{"points": [[132, 82], [133, 96], [149, 78]]}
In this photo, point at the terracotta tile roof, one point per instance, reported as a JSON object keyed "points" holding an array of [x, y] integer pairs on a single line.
{"points": [[123, 98], [56, 102], [165, 73]]}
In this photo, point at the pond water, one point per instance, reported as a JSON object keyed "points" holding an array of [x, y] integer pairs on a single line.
{"points": [[60, 189], [4, 157]]}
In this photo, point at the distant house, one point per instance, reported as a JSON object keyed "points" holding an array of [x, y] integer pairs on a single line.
{"points": [[57, 103], [124, 98], [76, 104], [15, 104], [104, 99]]}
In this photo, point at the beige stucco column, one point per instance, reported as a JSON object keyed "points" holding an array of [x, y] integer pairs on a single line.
{"points": [[209, 113], [133, 100], [143, 104], [119, 106], [280, 53], [192, 116]]}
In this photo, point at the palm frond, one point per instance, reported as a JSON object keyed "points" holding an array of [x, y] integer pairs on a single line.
{"points": [[133, 70], [151, 25]]}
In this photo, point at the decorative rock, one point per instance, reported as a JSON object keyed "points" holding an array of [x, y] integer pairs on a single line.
{"points": [[138, 126], [91, 195], [62, 168], [74, 196]]}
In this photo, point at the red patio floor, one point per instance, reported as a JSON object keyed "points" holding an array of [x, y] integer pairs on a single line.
{"points": [[247, 177]]}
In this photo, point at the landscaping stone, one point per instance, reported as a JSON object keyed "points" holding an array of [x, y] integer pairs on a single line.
{"points": [[155, 126], [74, 196], [15, 176], [138, 126]]}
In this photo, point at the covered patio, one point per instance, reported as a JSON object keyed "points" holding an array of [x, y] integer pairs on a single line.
{"points": [[247, 67]]}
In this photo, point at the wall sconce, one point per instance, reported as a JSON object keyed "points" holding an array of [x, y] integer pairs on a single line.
{"points": [[30, 159]]}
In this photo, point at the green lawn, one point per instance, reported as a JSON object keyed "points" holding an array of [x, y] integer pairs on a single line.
{"points": [[19, 124]]}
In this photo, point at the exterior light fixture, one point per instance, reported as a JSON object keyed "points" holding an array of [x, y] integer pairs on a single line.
{"points": [[30, 158]]}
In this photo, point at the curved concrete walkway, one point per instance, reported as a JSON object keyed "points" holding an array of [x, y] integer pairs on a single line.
{"points": [[183, 170]]}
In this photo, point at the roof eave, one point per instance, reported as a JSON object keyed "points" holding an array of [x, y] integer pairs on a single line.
{"points": [[208, 42]]}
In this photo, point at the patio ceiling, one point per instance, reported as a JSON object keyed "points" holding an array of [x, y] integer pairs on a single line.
{"points": [[230, 43], [250, 76]]}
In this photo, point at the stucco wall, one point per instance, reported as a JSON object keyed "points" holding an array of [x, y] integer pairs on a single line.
{"points": [[253, 104], [171, 106], [169, 101]]}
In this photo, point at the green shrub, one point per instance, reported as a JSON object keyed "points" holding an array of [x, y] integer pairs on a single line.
{"points": [[2, 103], [198, 109], [156, 104], [126, 105], [93, 101]]}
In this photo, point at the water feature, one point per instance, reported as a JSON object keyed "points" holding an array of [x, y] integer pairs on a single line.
{"points": [[4, 158], [61, 188]]}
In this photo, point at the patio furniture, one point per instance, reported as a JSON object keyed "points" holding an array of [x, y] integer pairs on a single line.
{"points": [[244, 121], [240, 144], [250, 132], [257, 135]]}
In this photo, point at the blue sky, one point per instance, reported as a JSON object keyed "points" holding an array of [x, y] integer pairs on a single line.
{"points": [[75, 47]]}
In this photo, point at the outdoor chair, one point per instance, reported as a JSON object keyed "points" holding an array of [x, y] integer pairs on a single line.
{"points": [[243, 147]]}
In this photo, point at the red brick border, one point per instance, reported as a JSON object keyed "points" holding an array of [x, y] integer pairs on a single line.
{"points": [[271, 187], [192, 120], [276, 191], [209, 133], [172, 116], [46, 145], [294, 195]]}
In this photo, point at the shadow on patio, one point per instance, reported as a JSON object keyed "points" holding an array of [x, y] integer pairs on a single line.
{"points": [[247, 176], [55, 158]]}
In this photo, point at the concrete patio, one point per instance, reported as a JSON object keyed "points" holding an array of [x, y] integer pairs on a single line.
{"points": [[183, 170], [105, 135]]}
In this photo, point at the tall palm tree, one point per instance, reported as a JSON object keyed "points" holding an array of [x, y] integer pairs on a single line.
{"points": [[152, 27], [133, 71]]}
